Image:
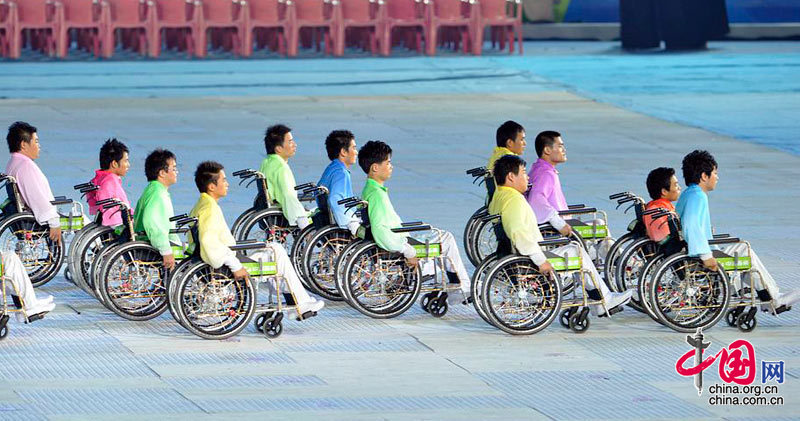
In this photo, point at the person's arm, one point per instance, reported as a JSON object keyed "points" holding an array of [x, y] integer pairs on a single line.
{"points": [[218, 254], [106, 190], [538, 199], [695, 212], [286, 195], [338, 192], [35, 190], [522, 234], [382, 232], [155, 222]]}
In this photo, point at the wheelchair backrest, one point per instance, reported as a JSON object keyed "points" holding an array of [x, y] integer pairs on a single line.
{"points": [[504, 246]]}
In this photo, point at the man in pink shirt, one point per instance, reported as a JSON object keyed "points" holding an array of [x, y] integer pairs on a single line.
{"points": [[545, 195], [23, 144], [114, 164]]}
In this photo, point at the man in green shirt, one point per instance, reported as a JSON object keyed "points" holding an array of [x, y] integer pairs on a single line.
{"points": [[375, 158], [281, 146], [154, 207], [520, 225]]}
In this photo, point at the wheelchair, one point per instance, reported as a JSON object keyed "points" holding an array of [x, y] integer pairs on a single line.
{"points": [[684, 295], [483, 244], [72, 251], [264, 221], [131, 278], [21, 234], [212, 304], [379, 284], [636, 230], [516, 298]]}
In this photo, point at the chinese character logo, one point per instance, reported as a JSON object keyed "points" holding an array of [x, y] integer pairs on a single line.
{"points": [[737, 363], [772, 370]]}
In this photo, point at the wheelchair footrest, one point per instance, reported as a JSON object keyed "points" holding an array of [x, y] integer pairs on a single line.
{"points": [[37, 316], [782, 309], [613, 311], [306, 315]]}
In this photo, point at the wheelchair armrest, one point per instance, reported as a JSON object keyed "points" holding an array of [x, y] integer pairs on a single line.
{"points": [[579, 206], [178, 217], [577, 211], [411, 224], [413, 228], [83, 185], [61, 201], [304, 186], [721, 235], [248, 246], [725, 240], [616, 196], [561, 241]]}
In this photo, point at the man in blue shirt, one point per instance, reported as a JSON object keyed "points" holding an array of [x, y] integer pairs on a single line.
{"points": [[700, 174], [341, 148]]}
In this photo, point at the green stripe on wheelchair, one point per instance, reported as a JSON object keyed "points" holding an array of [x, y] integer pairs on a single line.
{"points": [[261, 269], [75, 222], [430, 250], [590, 231], [178, 252], [727, 263], [559, 263]]}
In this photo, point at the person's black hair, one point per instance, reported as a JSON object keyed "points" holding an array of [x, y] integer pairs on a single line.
{"points": [[505, 165], [336, 141], [658, 179], [112, 150], [373, 152], [157, 161], [697, 163], [506, 131], [19, 132], [207, 172], [275, 136], [545, 139]]}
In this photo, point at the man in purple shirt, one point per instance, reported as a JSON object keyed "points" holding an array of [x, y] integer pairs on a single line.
{"points": [[545, 195]]}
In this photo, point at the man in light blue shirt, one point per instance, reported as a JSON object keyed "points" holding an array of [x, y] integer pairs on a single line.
{"points": [[341, 148], [700, 175]]}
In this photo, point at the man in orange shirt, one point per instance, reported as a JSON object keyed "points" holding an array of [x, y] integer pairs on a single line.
{"points": [[662, 184]]}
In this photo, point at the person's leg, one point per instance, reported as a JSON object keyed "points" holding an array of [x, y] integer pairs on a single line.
{"points": [[453, 262], [593, 279], [15, 272], [287, 273], [763, 279]]}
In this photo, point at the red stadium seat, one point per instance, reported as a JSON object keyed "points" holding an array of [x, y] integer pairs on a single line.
{"points": [[458, 16], [221, 20], [409, 16], [262, 18], [128, 20], [8, 20], [179, 20], [314, 15], [41, 19], [504, 17], [364, 18], [84, 20]]}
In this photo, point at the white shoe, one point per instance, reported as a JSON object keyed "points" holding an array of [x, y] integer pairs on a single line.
{"points": [[314, 306], [614, 299], [44, 299], [34, 310], [787, 298]]}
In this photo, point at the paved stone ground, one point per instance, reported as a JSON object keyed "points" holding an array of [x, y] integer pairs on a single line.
{"points": [[84, 362]]}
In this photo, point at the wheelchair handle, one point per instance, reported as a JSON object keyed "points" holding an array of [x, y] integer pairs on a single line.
{"points": [[248, 246], [239, 173], [626, 200], [561, 241], [652, 211], [349, 199], [717, 236], [726, 240], [412, 228], [87, 189], [616, 196], [662, 213], [579, 206], [185, 221], [59, 197], [178, 217], [577, 211], [179, 230], [104, 201], [83, 185], [304, 186], [114, 204], [411, 224], [61, 201], [477, 171], [488, 217]]}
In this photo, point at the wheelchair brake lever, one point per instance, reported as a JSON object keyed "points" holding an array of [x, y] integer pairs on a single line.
{"points": [[251, 182], [628, 208]]}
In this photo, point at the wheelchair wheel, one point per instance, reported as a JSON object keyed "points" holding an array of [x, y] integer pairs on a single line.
{"points": [[686, 295], [212, 304], [319, 260], [478, 278], [340, 264], [380, 284], [177, 273], [237, 224], [91, 244], [73, 248], [469, 228], [484, 241], [268, 225], [296, 255], [631, 263], [517, 298], [95, 271], [42, 258], [132, 281], [645, 280], [612, 260]]}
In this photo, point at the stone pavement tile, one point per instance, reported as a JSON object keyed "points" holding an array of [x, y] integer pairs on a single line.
{"points": [[685, 390]]}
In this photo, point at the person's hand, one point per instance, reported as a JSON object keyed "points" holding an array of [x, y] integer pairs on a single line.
{"points": [[241, 274], [711, 264], [566, 230], [55, 234], [412, 261], [547, 269], [169, 261]]}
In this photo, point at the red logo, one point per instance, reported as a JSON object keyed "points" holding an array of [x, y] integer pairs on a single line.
{"points": [[737, 363]]}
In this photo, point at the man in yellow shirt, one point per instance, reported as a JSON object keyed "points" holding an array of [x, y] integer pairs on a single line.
{"points": [[520, 225], [510, 138], [216, 237]]}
